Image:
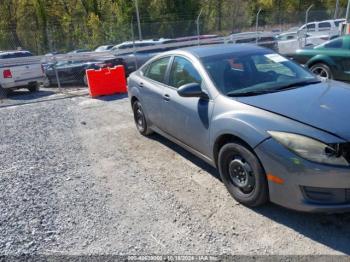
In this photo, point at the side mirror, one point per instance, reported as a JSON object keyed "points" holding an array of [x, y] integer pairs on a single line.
{"points": [[192, 90]]}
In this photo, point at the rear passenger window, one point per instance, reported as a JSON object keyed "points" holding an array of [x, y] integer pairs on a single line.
{"points": [[324, 26], [311, 27], [247, 40], [156, 70]]}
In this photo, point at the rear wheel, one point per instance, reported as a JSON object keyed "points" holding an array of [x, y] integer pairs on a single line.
{"points": [[140, 119], [33, 88], [243, 175], [47, 82], [322, 70], [85, 81], [4, 92]]}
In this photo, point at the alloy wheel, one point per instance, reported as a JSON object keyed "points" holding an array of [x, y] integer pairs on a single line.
{"points": [[321, 72]]}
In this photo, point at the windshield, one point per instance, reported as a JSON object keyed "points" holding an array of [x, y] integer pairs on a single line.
{"points": [[237, 74]]}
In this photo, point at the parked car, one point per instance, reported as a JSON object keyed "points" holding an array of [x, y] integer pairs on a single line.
{"points": [[16, 74], [194, 38], [133, 61], [79, 51], [74, 72], [330, 27], [329, 60], [274, 131], [291, 41], [103, 48], [265, 39], [140, 44]]}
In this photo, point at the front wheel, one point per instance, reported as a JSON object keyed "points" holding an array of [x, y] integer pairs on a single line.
{"points": [[322, 70], [243, 175], [140, 119]]}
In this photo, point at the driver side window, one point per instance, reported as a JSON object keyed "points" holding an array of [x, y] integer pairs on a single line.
{"points": [[182, 73]]}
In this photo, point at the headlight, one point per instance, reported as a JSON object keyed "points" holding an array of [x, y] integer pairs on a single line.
{"points": [[309, 148]]}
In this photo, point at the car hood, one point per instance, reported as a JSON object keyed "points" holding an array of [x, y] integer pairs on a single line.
{"points": [[325, 106]]}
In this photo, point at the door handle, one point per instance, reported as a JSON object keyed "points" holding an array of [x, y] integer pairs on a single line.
{"points": [[166, 97]]}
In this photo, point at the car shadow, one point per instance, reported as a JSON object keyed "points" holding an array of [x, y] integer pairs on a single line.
{"points": [[189, 156], [26, 95], [331, 230], [112, 97]]}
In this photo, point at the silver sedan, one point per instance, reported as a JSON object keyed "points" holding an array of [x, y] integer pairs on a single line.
{"points": [[274, 131]]}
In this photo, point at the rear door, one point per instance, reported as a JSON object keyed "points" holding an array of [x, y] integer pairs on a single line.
{"points": [[152, 89]]}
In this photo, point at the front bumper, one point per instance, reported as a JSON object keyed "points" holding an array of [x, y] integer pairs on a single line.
{"points": [[307, 186]]}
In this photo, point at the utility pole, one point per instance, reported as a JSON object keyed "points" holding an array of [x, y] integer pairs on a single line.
{"points": [[138, 19], [348, 13]]}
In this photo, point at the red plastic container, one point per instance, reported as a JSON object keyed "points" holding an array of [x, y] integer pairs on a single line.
{"points": [[106, 81]]}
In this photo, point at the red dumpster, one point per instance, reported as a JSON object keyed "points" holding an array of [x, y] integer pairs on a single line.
{"points": [[106, 81]]}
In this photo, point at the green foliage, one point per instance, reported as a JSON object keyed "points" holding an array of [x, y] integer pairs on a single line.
{"points": [[49, 25]]}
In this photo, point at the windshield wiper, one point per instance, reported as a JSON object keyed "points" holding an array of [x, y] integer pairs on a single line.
{"points": [[296, 84], [266, 91], [249, 93]]}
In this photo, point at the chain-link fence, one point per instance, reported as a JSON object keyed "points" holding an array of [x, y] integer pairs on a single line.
{"points": [[66, 50]]}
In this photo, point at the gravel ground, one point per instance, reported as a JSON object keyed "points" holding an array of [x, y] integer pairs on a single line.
{"points": [[76, 178]]}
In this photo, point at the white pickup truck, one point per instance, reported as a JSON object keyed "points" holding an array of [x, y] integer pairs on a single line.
{"points": [[19, 69]]}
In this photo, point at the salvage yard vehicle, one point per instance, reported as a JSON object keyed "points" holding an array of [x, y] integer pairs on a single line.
{"points": [[103, 48], [265, 39], [291, 41], [274, 130], [26, 72], [74, 72], [330, 60], [330, 27]]}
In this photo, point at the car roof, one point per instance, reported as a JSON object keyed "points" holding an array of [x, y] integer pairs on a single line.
{"points": [[288, 33], [14, 51], [329, 20], [260, 33], [219, 49]]}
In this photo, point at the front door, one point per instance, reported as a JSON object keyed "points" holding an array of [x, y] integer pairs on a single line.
{"points": [[186, 118]]}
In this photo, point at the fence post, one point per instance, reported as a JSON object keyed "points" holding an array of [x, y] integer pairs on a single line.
{"points": [[133, 45], [306, 21], [336, 9], [138, 19], [257, 25], [56, 73], [197, 22]]}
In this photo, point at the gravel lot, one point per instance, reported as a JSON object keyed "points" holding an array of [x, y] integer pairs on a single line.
{"points": [[77, 178]]}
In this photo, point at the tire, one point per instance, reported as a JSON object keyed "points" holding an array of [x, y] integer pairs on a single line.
{"points": [[33, 88], [140, 119], [47, 83], [4, 92], [322, 70], [243, 175], [85, 81]]}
